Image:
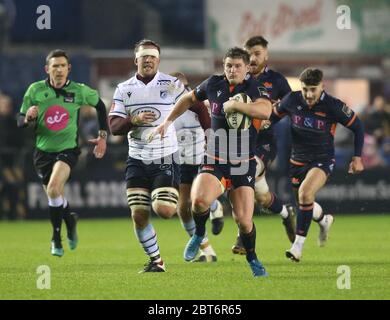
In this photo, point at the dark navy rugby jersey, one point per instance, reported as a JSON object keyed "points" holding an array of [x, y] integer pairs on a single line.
{"points": [[277, 87], [224, 143], [275, 83], [313, 129]]}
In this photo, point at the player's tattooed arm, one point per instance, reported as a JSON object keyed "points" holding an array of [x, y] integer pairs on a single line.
{"points": [[119, 126]]}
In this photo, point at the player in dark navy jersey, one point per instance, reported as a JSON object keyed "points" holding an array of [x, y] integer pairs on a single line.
{"points": [[277, 87], [230, 152], [314, 115]]}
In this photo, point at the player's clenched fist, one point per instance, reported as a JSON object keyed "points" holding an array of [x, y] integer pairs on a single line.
{"points": [[32, 113]]}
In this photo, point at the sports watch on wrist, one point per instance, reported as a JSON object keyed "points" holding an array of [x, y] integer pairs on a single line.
{"points": [[103, 134]]}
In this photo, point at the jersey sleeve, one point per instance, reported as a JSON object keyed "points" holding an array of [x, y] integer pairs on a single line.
{"points": [[284, 88], [118, 106], [281, 108], [200, 91], [179, 90], [28, 100], [90, 96], [343, 114]]}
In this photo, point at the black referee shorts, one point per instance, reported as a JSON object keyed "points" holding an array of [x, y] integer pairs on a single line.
{"points": [[44, 161]]}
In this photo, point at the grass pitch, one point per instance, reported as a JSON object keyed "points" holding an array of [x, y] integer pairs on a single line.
{"points": [[107, 261]]}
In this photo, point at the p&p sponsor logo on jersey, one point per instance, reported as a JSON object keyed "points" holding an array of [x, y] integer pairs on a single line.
{"points": [[309, 123]]}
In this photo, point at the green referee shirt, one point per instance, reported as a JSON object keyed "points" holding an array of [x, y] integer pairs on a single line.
{"points": [[57, 123]]}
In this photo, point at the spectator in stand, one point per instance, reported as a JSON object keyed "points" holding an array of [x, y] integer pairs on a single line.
{"points": [[12, 195], [377, 123]]}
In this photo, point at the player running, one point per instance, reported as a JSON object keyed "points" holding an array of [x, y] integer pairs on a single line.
{"points": [[230, 152], [314, 115], [265, 152], [152, 173], [190, 130]]}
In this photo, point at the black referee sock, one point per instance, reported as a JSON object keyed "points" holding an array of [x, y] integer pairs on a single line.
{"points": [[200, 222], [68, 218], [249, 242], [56, 221]]}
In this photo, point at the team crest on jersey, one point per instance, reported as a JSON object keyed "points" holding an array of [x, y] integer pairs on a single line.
{"points": [[263, 92], [268, 85], [69, 97], [129, 94], [163, 94], [219, 93], [347, 111]]}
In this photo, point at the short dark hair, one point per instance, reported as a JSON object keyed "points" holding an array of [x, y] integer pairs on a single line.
{"points": [[55, 54], [237, 53], [146, 42], [256, 41], [311, 76]]}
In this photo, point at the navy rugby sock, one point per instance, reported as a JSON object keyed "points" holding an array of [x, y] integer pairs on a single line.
{"points": [[200, 222], [249, 242], [305, 214], [276, 205]]}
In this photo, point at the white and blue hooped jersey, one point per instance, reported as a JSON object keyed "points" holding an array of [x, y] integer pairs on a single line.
{"points": [[190, 137], [158, 96]]}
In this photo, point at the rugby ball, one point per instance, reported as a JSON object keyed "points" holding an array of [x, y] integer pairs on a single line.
{"points": [[238, 120]]}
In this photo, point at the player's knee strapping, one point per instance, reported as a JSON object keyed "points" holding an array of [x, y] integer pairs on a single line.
{"points": [[165, 196], [318, 213], [261, 186], [138, 200], [260, 167]]}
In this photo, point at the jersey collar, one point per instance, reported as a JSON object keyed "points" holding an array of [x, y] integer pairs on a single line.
{"points": [[232, 87], [263, 73], [59, 91], [49, 84], [153, 80], [322, 97]]}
